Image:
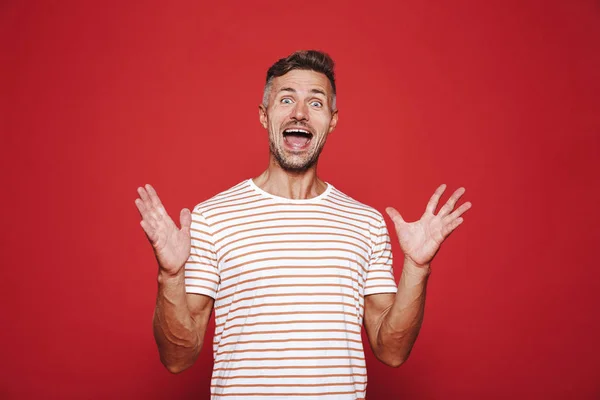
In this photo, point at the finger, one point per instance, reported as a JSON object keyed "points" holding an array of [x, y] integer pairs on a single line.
{"points": [[451, 226], [155, 220], [145, 197], [152, 211], [433, 202], [153, 195], [449, 206], [394, 215], [460, 210], [149, 231], [148, 215], [142, 208], [185, 219], [159, 210]]}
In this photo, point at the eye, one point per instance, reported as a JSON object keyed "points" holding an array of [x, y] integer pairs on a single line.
{"points": [[286, 100], [315, 103]]}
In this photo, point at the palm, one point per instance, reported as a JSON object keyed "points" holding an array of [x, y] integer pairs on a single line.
{"points": [[171, 244], [421, 240]]}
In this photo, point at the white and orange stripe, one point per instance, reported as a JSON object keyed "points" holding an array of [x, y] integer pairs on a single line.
{"points": [[289, 279]]}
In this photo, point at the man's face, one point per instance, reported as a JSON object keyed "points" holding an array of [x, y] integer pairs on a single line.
{"points": [[298, 118]]}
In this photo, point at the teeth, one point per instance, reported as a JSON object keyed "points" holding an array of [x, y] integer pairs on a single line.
{"points": [[297, 130]]}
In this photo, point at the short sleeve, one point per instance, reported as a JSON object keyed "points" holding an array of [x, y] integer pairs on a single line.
{"points": [[380, 274], [201, 269]]}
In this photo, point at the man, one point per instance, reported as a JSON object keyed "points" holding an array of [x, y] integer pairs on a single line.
{"points": [[291, 266]]}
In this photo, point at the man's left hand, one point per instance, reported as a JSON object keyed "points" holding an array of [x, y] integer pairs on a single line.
{"points": [[421, 240]]}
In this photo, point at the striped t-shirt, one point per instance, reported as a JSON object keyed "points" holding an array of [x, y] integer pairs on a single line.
{"points": [[289, 279]]}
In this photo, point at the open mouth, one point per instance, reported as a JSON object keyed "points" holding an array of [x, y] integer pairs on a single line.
{"points": [[297, 138]]}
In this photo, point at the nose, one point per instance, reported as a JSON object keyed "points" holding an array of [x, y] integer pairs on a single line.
{"points": [[300, 112]]}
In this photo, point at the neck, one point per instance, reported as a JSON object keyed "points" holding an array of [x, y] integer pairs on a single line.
{"points": [[292, 185]]}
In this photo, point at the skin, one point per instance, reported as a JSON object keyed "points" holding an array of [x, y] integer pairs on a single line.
{"points": [[392, 321], [180, 319], [297, 99]]}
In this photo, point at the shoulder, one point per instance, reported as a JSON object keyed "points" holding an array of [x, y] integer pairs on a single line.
{"points": [[341, 199], [235, 192]]}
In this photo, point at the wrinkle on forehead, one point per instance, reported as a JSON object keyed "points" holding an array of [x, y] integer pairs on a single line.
{"points": [[303, 82], [293, 90]]}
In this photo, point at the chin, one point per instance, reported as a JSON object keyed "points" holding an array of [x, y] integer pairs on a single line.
{"points": [[295, 165], [293, 162]]}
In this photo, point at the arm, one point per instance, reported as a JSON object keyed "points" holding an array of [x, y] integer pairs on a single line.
{"points": [[393, 321], [180, 322], [180, 319]]}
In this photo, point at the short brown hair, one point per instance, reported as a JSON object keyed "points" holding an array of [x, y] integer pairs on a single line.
{"points": [[312, 60]]}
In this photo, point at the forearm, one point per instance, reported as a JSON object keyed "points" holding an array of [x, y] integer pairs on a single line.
{"points": [[174, 331], [401, 323]]}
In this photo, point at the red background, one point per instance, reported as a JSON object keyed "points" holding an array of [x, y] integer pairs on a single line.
{"points": [[501, 97]]}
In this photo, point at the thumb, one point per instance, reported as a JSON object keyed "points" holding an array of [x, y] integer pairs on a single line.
{"points": [[185, 219], [394, 215]]}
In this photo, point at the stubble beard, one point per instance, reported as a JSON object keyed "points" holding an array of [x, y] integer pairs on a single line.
{"points": [[288, 164]]}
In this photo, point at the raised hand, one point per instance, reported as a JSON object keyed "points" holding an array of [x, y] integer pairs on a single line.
{"points": [[171, 244], [421, 240]]}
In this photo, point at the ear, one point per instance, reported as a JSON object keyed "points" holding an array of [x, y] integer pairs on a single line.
{"points": [[333, 122], [262, 115]]}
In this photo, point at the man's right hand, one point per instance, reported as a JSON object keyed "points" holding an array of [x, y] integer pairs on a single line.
{"points": [[171, 244]]}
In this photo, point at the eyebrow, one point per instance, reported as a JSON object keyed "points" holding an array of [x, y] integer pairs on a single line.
{"points": [[316, 91]]}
